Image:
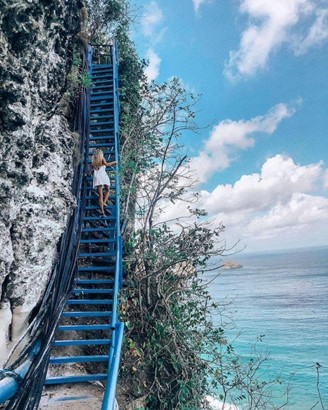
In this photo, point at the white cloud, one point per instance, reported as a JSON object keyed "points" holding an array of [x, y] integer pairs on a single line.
{"points": [[273, 23], [278, 180], [280, 206], [198, 3], [299, 214], [152, 70], [325, 181], [317, 34], [151, 19], [230, 136], [151, 25]]}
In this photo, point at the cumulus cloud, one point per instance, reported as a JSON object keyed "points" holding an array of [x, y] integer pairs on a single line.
{"points": [[325, 181], [279, 205], [281, 201], [154, 61], [230, 136], [280, 178], [271, 24], [300, 213], [151, 19]]}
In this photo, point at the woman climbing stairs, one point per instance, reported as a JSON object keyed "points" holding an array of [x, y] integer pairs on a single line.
{"points": [[89, 336]]}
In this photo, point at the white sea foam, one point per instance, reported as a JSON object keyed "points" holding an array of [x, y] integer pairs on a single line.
{"points": [[215, 404]]}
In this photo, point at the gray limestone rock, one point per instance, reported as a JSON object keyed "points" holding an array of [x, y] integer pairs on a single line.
{"points": [[36, 150]]}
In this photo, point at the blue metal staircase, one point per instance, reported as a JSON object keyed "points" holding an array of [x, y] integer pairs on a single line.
{"points": [[89, 324]]}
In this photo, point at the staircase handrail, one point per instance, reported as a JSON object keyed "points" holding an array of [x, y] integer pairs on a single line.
{"points": [[117, 336], [118, 268], [110, 392]]}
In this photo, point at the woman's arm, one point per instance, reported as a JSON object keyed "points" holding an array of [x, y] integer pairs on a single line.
{"points": [[109, 164]]}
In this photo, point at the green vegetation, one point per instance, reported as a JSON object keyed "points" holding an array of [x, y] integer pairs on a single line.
{"points": [[175, 356]]}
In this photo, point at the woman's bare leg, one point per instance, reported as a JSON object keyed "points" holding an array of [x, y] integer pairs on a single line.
{"points": [[106, 194], [101, 198]]}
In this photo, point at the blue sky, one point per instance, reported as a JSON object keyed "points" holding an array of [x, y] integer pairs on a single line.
{"points": [[262, 70]]}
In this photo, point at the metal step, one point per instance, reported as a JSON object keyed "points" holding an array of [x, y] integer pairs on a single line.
{"points": [[102, 89], [89, 302], [100, 229], [100, 110], [101, 118], [102, 134], [78, 359], [87, 328], [92, 214], [101, 68], [87, 314], [99, 72], [98, 130], [95, 118], [95, 66], [99, 218], [101, 144], [100, 75], [96, 255], [100, 97], [94, 281], [101, 123], [103, 83], [101, 238], [82, 378], [93, 268], [107, 83], [81, 342], [109, 153], [97, 105], [106, 144], [106, 240], [108, 92], [109, 138], [92, 291], [101, 130], [103, 73]]}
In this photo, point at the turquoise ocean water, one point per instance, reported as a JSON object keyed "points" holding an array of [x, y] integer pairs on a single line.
{"points": [[283, 296]]}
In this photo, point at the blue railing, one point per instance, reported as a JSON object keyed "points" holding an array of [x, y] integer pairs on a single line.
{"points": [[117, 336], [110, 393]]}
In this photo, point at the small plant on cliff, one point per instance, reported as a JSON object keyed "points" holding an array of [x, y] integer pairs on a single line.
{"points": [[78, 81], [78, 77]]}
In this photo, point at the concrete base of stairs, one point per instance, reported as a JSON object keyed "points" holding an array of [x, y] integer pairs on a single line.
{"points": [[84, 396]]}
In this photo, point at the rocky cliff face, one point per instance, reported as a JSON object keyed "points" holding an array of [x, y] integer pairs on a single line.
{"points": [[36, 147]]}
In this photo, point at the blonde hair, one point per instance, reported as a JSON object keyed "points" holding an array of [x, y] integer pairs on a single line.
{"points": [[97, 158]]}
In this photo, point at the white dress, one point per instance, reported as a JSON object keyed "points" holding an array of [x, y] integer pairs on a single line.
{"points": [[100, 176]]}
